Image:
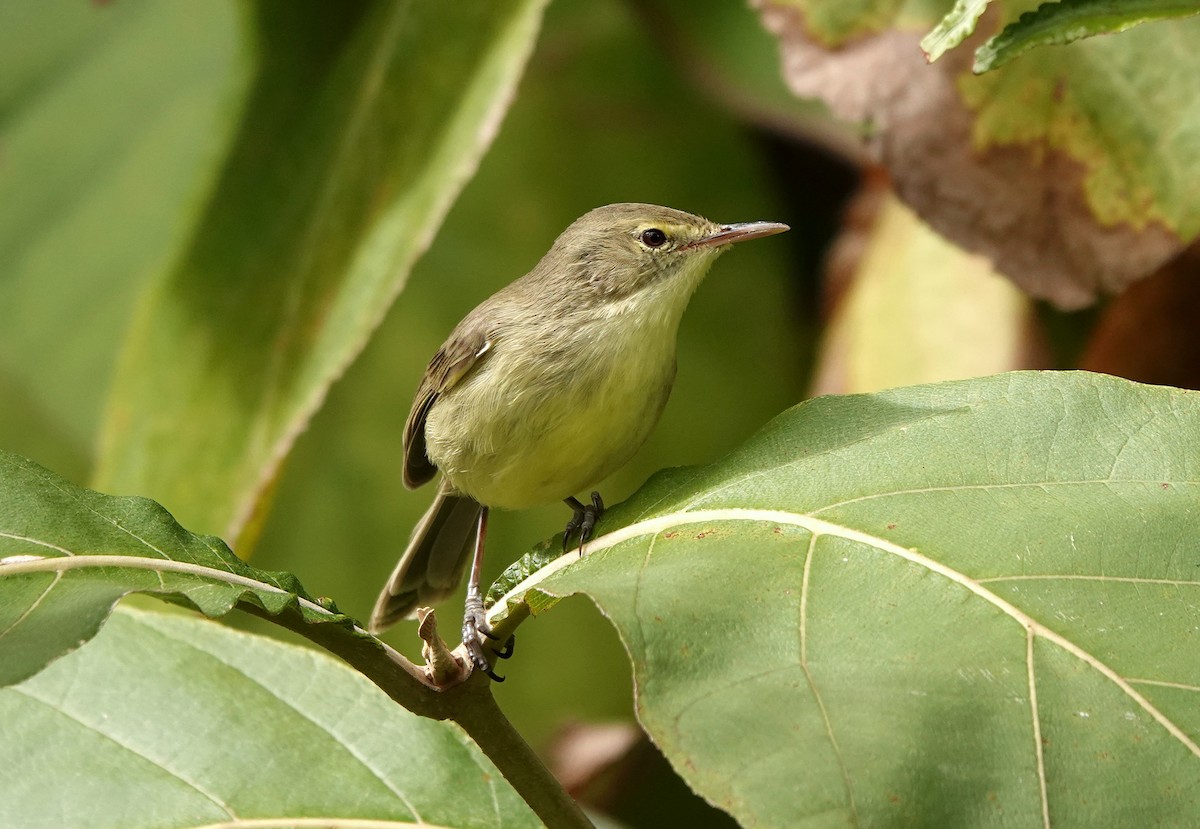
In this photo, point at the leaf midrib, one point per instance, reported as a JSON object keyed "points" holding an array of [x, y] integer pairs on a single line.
{"points": [[820, 527], [296, 709], [61, 564], [112, 738]]}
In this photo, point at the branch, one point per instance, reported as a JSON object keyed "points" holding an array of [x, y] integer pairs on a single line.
{"points": [[468, 702]]}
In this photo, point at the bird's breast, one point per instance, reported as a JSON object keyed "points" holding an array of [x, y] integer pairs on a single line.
{"points": [[553, 409]]}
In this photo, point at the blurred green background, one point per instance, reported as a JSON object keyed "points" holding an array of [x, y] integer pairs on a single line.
{"points": [[658, 102], [603, 114], [116, 119]]}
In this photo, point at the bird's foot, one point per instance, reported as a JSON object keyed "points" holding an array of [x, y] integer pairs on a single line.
{"points": [[584, 520], [477, 632]]}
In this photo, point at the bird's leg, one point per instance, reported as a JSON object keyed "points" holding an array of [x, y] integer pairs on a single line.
{"points": [[584, 519], [474, 618]]}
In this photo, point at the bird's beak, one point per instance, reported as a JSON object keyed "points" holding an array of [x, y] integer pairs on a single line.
{"points": [[728, 234]]}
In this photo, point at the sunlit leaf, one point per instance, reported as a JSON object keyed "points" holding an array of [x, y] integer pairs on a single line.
{"points": [[917, 309], [965, 604], [360, 127], [67, 555], [177, 722], [1056, 24]]}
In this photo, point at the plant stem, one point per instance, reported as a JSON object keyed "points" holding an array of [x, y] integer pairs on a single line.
{"points": [[470, 704], [399, 678], [486, 724]]}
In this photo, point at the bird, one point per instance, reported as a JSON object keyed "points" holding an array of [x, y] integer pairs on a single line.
{"points": [[546, 388]]}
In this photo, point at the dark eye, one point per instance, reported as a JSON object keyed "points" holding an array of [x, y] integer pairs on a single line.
{"points": [[653, 238]]}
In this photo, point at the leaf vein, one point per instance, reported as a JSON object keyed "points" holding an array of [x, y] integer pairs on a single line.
{"points": [[812, 685], [1164, 684], [1106, 482], [221, 804], [77, 495], [36, 541], [1081, 577], [816, 525], [32, 606], [81, 562], [297, 710], [1035, 715]]}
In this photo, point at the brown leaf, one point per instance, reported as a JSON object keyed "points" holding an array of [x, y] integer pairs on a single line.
{"points": [[1021, 205], [1150, 333]]}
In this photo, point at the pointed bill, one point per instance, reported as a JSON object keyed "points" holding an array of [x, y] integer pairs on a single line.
{"points": [[728, 234]]}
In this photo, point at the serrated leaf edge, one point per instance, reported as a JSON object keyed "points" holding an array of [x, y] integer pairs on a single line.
{"points": [[23, 564], [1050, 24]]}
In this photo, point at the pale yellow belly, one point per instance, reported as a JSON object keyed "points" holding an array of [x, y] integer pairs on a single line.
{"points": [[513, 444]]}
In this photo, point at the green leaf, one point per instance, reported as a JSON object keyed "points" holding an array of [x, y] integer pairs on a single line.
{"points": [[177, 722], [67, 555], [1135, 131], [953, 29], [1055, 24], [101, 161], [966, 604], [360, 127]]}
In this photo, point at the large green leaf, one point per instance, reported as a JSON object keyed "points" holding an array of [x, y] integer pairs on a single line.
{"points": [[360, 127], [177, 722], [966, 604], [112, 120], [67, 555]]}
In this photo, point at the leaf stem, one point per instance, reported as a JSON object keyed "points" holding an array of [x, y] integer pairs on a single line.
{"points": [[391, 670]]}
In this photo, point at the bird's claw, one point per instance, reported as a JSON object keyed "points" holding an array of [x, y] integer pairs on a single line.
{"points": [[475, 630], [583, 519], [509, 645]]}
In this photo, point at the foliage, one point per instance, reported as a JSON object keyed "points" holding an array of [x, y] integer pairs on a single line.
{"points": [[71, 554], [1017, 574], [163, 720], [998, 610], [1056, 23], [251, 328], [963, 603], [1070, 169]]}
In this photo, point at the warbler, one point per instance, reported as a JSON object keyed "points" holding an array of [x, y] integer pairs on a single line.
{"points": [[546, 388]]}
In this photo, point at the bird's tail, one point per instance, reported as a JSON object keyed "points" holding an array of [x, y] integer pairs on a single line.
{"points": [[433, 565]]}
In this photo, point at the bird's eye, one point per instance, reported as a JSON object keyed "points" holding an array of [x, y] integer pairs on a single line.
{"points": [[654, 238]]}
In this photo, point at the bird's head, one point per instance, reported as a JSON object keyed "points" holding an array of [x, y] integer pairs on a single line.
{"points": [[620, 249]]}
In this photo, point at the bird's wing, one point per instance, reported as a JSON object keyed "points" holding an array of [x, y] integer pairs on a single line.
{"points": [[452, 362]]}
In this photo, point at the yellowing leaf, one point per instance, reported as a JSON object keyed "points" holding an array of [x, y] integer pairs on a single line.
{"points": [[920, 310]]}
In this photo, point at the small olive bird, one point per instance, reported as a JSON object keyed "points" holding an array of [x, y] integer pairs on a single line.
{"points": [[546, 388]]}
